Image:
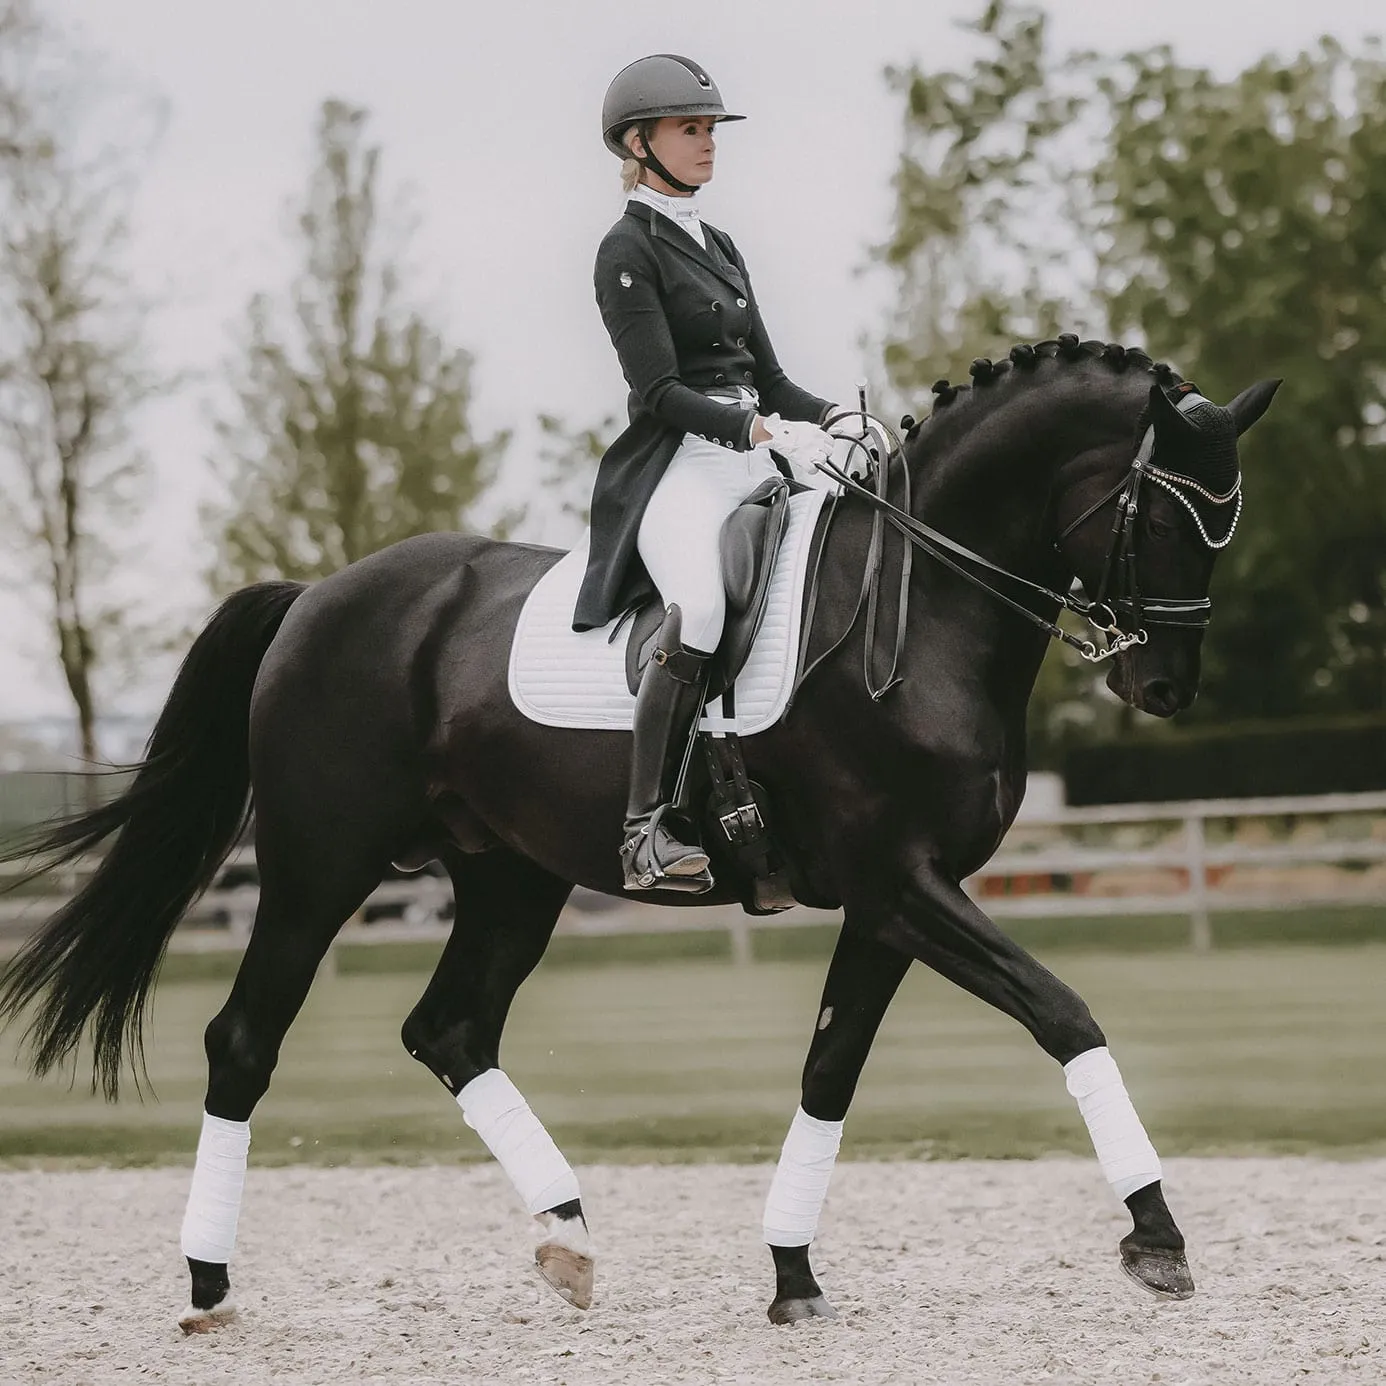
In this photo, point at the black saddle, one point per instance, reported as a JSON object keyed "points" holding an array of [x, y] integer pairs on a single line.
{"points": [[751, 537]]}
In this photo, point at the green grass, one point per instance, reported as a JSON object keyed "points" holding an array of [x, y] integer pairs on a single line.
{"points": [[1331, 927], [1255, 1049]]}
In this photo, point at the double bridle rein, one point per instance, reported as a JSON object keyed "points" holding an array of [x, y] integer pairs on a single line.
{"points": [[1119, 614]]}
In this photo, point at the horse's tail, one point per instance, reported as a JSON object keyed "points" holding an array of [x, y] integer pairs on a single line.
{"points": [[96, 959]]}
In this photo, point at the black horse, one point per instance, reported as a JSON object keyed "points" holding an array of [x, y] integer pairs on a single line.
{"points": [[369, 718]]}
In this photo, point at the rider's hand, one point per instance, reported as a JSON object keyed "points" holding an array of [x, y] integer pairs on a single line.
{"points": [[759, 433], [803, 445]]}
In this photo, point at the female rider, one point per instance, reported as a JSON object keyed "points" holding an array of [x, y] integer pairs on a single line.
{"points": [[707, 396]]}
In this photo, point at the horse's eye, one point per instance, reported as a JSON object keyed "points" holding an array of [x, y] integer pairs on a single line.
{"points": [[1159, 529]]}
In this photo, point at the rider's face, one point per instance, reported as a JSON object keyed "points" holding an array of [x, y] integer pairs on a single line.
{"points": [[686, 147]]}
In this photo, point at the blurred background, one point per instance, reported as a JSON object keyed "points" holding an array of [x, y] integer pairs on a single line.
{"points": [[282, 283]]}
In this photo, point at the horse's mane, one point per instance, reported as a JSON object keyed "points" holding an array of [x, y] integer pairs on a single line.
{"points": [[1024, 357]]}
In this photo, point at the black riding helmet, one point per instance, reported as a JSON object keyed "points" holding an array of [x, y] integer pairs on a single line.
{"points": [[648, 89]]}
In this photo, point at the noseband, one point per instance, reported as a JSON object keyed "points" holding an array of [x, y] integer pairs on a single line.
{"points": [[1120, 614]]}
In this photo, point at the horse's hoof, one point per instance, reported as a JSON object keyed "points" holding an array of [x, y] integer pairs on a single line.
{"points": [[195, 1320], [797, 1310], [566, 1259], [1163, 1272], [570, 1273]]}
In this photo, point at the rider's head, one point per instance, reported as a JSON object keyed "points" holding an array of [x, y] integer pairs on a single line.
{"points": [[658, 117]]}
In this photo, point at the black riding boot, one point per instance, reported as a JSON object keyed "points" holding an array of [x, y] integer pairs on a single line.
{"points": [[670, 697]]}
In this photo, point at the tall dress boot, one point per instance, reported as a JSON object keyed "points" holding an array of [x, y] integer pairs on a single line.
{"points": [[670, 697]]}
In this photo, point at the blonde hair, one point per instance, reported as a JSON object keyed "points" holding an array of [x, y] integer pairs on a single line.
{"points": [[631, 169]]}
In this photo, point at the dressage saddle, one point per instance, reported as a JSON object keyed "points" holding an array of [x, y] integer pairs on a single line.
{"points": [[751, 537]]}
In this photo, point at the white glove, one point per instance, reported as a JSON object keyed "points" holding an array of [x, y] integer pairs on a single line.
{"points": [[844, 422], [803, 445]]}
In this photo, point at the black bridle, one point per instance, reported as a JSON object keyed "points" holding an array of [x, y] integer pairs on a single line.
{"points": [[1119, 613]]}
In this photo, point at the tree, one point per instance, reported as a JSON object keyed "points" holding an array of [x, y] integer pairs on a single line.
{"points": [[352, 429], [73, 367], [1247, 235], [1236, 228], [568, 459], [989, 184], [983, 179]]}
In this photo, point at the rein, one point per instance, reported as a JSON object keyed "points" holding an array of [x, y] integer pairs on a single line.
{"points": [[1104, 613]]}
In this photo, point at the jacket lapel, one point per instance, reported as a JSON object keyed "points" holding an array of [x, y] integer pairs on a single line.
{"points": [[672, 234]]}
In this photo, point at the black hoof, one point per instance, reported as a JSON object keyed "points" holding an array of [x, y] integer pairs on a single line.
{"points": [[1164, 1273], [797, 1310]]}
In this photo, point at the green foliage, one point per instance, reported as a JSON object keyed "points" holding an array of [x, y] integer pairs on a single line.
{"points": [[1248, 238], [568, 459], [983, 176], [1236, 228], [74, 364], [353, 424]]}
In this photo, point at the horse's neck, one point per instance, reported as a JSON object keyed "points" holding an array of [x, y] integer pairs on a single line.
{"points": [[992, 491], [991, 488]]}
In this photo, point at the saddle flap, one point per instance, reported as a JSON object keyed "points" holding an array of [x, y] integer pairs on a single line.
{"points": [[743, 538], [750, 539], [644, 631]]}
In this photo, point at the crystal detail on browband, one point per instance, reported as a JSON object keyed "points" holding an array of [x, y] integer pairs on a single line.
{"points": [[1172, 483]]}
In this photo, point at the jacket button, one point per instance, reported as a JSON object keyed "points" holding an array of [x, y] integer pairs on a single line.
{"points": [[719, 379], [740, 302], [741, 341], [750, 375], [716, 307]]}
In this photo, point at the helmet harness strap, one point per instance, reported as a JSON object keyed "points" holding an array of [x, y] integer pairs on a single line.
{"points": [[651, 160]]}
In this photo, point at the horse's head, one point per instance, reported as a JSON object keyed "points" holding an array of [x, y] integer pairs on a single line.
{"points": [[1142, 537]]}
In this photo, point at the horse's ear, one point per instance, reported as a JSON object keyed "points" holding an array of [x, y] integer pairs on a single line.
{"points": [[1169, 423], [1252, 403]]}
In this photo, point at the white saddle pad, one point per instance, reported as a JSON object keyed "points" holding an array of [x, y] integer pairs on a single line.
{"points": [[567, 678]]}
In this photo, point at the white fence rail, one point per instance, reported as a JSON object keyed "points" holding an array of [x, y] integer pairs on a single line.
{"points": [[1193, 859]]}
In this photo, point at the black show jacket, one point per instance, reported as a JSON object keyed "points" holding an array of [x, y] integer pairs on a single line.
{"points": [[682, 319]]}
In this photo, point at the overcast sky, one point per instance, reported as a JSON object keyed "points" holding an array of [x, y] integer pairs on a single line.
{"points": [[489, 118]]}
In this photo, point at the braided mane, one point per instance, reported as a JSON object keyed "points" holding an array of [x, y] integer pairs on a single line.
{"points": [[1023, 358]]}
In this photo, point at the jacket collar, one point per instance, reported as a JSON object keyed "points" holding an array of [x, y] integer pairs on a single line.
{"points": [[672, 234]]}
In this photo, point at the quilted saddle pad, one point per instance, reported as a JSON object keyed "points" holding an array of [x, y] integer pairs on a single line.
{"points": [[566, 678]]}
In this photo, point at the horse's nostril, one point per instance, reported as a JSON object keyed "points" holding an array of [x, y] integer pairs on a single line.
{"points": [[1160, 696]]}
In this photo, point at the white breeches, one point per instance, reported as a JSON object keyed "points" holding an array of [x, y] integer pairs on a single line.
{"points": [[680, 532]]}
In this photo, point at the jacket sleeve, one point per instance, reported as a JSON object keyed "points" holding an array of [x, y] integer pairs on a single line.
{"points": [[631, 308], [778, 393]]}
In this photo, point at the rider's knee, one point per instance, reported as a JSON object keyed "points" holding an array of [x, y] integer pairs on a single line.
{"points": [[703, 619]]}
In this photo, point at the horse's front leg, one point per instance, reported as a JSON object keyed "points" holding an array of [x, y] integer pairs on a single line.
{"points": [[862, 978], [936, 922]]}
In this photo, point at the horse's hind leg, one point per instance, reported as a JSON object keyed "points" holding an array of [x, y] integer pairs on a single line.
{"points": [[506, 911], [307, 891]]}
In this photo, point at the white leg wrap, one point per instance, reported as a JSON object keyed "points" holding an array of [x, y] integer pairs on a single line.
{"points": [[214, 1202], [492, 1106], [801, 1180], [1123, 1149]]}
